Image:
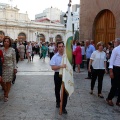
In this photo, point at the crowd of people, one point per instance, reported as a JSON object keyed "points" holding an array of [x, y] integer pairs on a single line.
{"points": [[11, 52], [100, 59]]}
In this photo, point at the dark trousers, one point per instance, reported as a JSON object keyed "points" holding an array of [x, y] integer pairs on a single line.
{"points": [[89, 73], [115, 84], [97, 73], [82, 64], [51, 55], [74, 63], [58, 82]]}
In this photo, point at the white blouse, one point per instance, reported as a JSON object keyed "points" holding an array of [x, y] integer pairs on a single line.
{"points": [[98, 59]]}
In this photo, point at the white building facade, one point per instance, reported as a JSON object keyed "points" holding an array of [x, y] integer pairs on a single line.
{"points": [[19, 26], [52, 14], [76, 19]]}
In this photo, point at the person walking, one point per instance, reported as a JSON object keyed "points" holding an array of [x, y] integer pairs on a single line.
{"points": [[44, 51], [73, 49], [21, 49], [83, 54], [9, 66], [78, 56], [98, 62], [51, 50], [114, 72], [29, 51], [55, 64], [90, 49]]}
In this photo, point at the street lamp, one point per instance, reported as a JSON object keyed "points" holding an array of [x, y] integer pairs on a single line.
{"points": [[65, 17]]}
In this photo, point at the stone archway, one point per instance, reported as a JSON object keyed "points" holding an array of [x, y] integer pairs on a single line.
{"points": [[21, 37], [58, 38], [2, 34], [104, 27], [42, 38]]}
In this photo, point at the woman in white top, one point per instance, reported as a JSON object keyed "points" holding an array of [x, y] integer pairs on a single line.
{"points": [[98, 62], [29, 51]]}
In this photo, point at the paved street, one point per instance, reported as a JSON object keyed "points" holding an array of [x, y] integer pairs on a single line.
{"points": [[32, 97]]}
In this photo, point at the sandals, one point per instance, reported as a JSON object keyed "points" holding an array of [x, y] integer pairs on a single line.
{"points": [[100, 96], [91, 92], [110, 103], [5, 99], [118, 104]]}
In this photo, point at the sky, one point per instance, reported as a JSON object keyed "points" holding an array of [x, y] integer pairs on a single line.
{"points": [[37, 6]]}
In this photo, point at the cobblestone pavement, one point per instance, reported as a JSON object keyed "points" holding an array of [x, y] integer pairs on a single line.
{"points": [[32, 97]]}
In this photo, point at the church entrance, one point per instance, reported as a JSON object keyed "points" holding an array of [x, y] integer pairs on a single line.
{"points": [[104, 27]]}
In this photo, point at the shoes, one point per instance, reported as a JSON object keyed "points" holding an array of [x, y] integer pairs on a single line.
{"points": [[110, 103], [57, 105], [118, 104], [91, 92], [88, 78], [64, 111], [5, 99], [100, 96]]}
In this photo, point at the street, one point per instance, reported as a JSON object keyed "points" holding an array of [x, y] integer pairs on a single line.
{"points": [[32, 96]]}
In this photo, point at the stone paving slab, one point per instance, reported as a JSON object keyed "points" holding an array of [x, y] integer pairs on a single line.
{"points": [[32, 98]]}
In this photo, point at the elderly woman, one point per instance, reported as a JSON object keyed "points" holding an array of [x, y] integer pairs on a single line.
{"points": [[98, 62], [9, 66], [21, 49], [29, 51]]}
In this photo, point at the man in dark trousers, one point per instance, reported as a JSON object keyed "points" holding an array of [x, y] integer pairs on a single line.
{"points": [[114, 72], [56, 65], [89, 50]]}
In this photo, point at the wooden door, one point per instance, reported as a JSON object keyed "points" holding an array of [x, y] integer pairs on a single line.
{"points": [[105, 26]]}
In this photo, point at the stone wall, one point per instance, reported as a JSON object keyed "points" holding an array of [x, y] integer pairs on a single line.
{"points": [[89, 10]]}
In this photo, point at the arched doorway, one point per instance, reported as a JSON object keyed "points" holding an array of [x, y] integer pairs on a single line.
{"points": [[42, 38], [104, 27], [21, 37], [58, 38], [2, 34]]}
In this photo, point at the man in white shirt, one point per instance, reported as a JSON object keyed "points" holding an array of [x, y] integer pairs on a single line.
{"points": [[115, 74], [55, 64]]}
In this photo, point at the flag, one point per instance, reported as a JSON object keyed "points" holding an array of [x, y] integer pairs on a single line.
{"points": [[67, 73]]}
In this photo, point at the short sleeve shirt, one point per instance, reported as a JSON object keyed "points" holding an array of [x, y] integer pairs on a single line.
{"points": [[98, 59], [56, 60]]}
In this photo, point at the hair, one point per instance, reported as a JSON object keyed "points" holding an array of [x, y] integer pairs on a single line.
{"points": [[100, 44], [7, 37], [78, 44], [109, 43], [60, 42], [118, 40]]}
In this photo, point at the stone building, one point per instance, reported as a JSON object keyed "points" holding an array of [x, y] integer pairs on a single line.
{"points": [[19, 26], [99, 20]]}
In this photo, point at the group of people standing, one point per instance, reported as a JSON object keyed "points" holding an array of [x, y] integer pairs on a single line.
{"points": [[101, 60]]}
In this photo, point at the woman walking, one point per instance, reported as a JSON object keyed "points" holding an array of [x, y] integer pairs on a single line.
{"points": [[98, 62], [44, 51], [78, 56], [29, 51], [9, 66], [21, 51]]}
